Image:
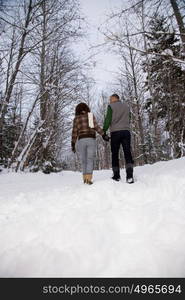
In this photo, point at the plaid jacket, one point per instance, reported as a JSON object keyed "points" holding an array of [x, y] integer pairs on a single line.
{"points": [[81, 128]]}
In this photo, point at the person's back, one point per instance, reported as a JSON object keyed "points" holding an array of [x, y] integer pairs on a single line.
{"points": [[120, 116], [82, 125]]}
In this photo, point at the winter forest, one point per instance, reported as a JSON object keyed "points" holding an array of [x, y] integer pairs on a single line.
{"points": [[55, 221], [43, 78]]}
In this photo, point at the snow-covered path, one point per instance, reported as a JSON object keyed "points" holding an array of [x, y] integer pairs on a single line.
{"points": [[53, 225]]}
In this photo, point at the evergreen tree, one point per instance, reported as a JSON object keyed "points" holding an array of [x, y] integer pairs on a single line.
{"points": [[11, 130], [168, 82]]}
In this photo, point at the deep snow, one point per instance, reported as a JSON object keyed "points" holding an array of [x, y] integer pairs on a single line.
{"points": [[53, 225]]}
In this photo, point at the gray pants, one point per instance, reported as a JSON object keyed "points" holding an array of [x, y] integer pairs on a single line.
{"points": [[87, 151]]}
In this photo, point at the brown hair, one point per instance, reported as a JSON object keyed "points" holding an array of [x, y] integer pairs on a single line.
{"points": [[81, 108], [115, 96]]}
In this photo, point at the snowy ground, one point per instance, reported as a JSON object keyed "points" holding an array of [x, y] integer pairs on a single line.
{"points": [[53, 225]]}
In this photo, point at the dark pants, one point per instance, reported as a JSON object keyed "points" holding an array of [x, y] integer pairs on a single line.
{"points": [[119, 138]]}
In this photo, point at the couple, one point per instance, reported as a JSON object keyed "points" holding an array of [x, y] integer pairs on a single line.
{"points": [[85, 128]]}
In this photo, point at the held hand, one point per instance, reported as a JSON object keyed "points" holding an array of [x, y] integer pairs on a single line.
{"points": [[105, 137], [73, 148]]}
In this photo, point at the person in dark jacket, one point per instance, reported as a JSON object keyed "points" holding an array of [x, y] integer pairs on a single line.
{"points": [[118, 119], [84, 130]]}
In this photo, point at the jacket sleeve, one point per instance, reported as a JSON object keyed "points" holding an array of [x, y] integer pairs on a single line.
{"points": [[74, 132], [97, 127], [108, 119]]}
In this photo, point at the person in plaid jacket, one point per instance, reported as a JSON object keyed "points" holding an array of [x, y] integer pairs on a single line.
{"points": [[84, 131]]}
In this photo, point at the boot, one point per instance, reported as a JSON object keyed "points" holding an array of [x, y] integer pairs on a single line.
{"points": [[129, 173], [116, 174], [89, 179], [85, 178]]}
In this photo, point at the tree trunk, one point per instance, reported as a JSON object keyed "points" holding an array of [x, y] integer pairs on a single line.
{"points": [[20, 57], [10, 84], [179, 20], [139, 119], [22, 132], [154, 112]]}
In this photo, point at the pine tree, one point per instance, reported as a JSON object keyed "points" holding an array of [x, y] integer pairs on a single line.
{"points": [[11, 130], [168, 81]]}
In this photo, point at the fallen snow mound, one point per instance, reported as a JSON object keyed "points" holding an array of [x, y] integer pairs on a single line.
{"points": [[53, 225]]}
